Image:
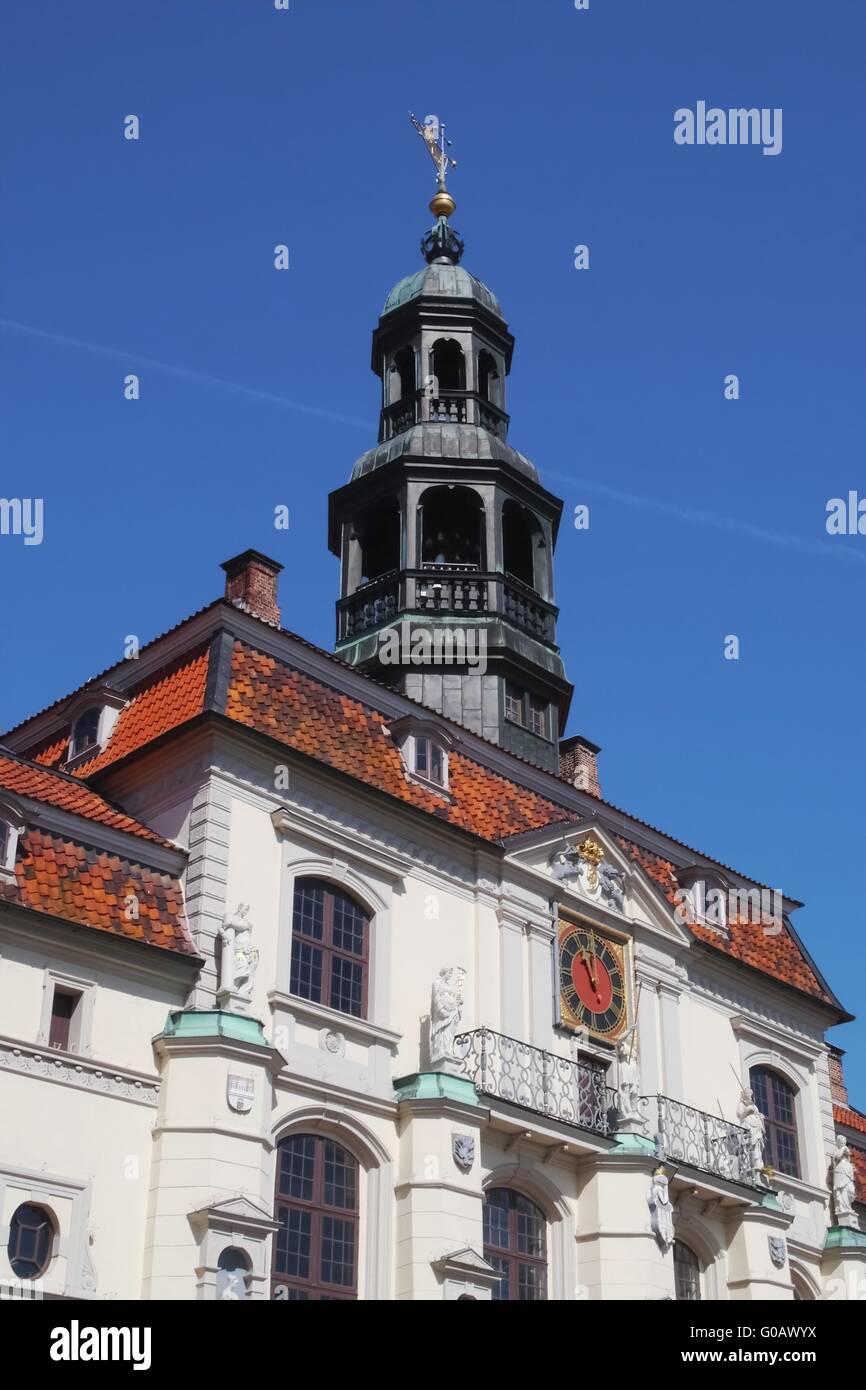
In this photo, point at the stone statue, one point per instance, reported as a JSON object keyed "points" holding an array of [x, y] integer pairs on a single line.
{"points": [[564, 864], [842, 1178], [612, 884], [752, 1121], [239, 956], [661, 1209], [628, 1077], [446, 1004]]}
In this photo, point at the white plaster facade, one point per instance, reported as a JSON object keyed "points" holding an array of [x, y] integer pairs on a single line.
{"points": [[128, 1139]]}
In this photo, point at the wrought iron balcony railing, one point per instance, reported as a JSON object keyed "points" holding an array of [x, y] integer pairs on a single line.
{"points": [[513, 1071], [705, 1142], [576, 1093]]}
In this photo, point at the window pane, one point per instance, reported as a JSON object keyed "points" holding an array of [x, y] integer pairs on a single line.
{"points": [[421, 759], [30, 1236], [496, 1220], [62, 1010], [309, 910], [786, 1153], [513, 703], [348, 926], [306, 976], [530, 1229], [297, 1166], [294, 1242], [501, 1289], [347, 984], [783, 1100], [530, 1283], [340, 1171], [686, 1273], [537, 716], [437, 764], [338, 1251]]}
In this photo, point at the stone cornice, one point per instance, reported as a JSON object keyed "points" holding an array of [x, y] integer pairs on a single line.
{"points": [[84, 1074], [97, 948], [357, 1029]]}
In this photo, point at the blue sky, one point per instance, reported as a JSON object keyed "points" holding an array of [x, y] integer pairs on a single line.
{"points": [[707, 516]]}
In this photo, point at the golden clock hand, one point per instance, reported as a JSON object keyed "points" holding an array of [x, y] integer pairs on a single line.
{"points": [[593, 972]]}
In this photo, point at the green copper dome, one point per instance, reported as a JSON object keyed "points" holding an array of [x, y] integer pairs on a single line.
{"points": [[442, 278]]}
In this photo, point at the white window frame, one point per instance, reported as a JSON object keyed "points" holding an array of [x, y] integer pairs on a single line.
{"points": [[80, 1026], [109, 703], [12, 823]]}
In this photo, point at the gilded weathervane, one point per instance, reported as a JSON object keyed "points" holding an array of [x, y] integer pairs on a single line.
{"points": [[432, 132]]}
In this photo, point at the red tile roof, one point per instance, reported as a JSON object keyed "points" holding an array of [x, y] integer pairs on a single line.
{"points": [[775, 953], [68, 794], [858, 1158], [303, 713], [161, 702], [854, 1119], [85, 885]]}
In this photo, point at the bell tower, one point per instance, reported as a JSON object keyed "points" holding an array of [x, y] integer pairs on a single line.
{"points": [[445, 534]]}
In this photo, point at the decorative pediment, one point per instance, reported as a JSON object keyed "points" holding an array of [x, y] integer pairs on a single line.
{"points": [[583, 862], [590, 867], [234, 1214]]}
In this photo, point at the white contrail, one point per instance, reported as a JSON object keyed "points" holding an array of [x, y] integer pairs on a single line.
{"points": [[694, 516], [135, 359]]}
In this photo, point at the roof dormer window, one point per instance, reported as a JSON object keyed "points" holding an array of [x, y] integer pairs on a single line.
{"points": [[11, 827], [85, 732], [431, 760], [424, 746], [702, 898], [92, 717]]}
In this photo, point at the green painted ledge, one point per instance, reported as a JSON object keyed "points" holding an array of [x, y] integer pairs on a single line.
{"points": [[845, 1238], [635, 1144], [213, 1023], [435, 1085]]}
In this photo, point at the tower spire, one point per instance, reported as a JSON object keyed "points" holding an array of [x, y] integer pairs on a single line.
{"points": [[442, 243]]}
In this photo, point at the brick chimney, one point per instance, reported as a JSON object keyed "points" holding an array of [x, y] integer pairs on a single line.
{"points": [[578, 763], [251, 584], [838, 1089]]}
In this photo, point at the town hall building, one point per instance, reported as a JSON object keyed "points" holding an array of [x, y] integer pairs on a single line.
{"points": [[333, 975]]}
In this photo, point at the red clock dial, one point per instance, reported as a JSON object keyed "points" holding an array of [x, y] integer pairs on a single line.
{"points": [[592, 982]]}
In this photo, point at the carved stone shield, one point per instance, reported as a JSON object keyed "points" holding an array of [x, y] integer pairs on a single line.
{"points": [[463, 1150], [778, 1251], [240, 1091]]}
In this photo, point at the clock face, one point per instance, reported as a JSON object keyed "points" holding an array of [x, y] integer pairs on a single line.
{"points": [[591, 981]]}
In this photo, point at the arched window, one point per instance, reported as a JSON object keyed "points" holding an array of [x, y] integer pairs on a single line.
{"points": [[489, 380], [402, 370], [687, 1273], [85, 732], [316, 1206], [520, 534], [776, 1100], [515, 1244], [330, 948], [31, 1241], [380, 543], [452, 527], [448, 365]]}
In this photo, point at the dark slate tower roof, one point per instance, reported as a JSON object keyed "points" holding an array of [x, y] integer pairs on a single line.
{"points": [[429, 440]]}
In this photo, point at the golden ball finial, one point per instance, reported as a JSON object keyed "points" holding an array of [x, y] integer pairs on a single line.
{"points": [[442, 204]]}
